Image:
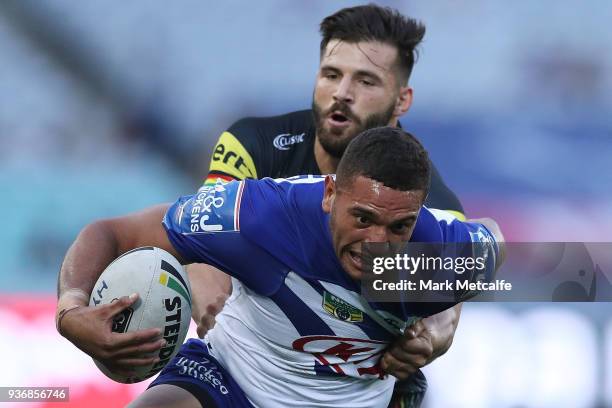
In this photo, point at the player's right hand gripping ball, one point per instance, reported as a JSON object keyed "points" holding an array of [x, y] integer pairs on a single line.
{"points": [[165, 302]]}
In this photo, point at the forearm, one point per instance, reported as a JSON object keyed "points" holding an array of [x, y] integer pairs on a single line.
{"points": [[422, 342], [101, 242], [442, 327], [94, 248]]}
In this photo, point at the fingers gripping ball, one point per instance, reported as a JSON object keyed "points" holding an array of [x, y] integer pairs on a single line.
{"points": [[164, 302]]}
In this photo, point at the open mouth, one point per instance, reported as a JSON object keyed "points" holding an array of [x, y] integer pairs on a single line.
{"points": [[337, 118], [355, 258]]}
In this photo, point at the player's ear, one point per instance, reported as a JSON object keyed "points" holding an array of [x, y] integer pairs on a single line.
{"points": [[329, 194], [404, 101]]}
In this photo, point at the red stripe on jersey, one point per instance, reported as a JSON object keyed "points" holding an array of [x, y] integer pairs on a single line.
{"points": [[237, 208], [214, 176]]}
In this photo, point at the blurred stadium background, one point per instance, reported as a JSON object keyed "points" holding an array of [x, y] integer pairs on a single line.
{"points": [[109, 106]]}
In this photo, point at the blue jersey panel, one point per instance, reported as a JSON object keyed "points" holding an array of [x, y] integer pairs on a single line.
{"points": [[269, 218], [206, 228]]}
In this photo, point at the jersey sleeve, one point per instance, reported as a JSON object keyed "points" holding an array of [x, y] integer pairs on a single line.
{"points": [[236, 154], [445, 236], [442, 197], [459, 238], [232, 226]]}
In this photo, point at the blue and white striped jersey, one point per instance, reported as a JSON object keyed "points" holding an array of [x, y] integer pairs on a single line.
{"points": [[278, 335]]}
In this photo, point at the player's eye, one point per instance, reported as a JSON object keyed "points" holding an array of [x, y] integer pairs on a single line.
{"points": [[400, 229], [366, 82], [363, 220], [331, 76]]}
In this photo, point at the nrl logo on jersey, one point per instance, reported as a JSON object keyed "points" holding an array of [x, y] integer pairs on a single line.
{"points": [[341, 309], [286, 140]]}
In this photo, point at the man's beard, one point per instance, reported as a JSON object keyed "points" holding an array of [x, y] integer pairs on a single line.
{"points": [[335, 143]]}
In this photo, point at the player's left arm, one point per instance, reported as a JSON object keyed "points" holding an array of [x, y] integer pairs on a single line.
{"points": [[431, 337]]}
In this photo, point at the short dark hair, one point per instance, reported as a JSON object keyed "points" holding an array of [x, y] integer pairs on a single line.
{"points": [[376, 23], [388, 155]]}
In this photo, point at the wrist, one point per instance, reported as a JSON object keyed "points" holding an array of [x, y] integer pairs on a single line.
{"points": [[72, 296], [69, 300], [441, 328], [60, 317]]}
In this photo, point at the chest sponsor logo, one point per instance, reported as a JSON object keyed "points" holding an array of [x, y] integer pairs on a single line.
{"points": [[345, 355], [286, 140], [341, 309]]}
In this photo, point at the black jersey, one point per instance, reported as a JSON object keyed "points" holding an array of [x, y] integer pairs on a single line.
{"points": [[283, 146]]}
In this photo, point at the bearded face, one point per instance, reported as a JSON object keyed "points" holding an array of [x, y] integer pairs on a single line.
{"points": [[338, 125], [357, 88]]}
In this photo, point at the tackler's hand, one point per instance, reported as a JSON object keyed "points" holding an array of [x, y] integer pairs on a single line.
{"points": [[207, 319], [408, 353]]}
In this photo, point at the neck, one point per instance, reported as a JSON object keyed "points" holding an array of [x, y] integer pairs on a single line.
{"points": [[326, 162]]}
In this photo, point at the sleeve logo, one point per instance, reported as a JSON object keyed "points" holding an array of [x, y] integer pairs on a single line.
{"points": [[215, 208]]}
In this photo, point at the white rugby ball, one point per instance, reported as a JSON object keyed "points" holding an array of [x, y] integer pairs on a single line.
{"points": [[164, 301]]}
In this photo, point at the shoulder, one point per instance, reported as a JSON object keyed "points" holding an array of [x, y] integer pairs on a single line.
{"points": [[436, 225], [213, 208], [292, 205], [245, 149], [293, 195], [279, 214], [258, 147], [271, 126]]}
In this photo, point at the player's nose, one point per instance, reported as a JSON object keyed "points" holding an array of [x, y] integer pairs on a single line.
{"points": [[377, 233], [344, 91]]}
